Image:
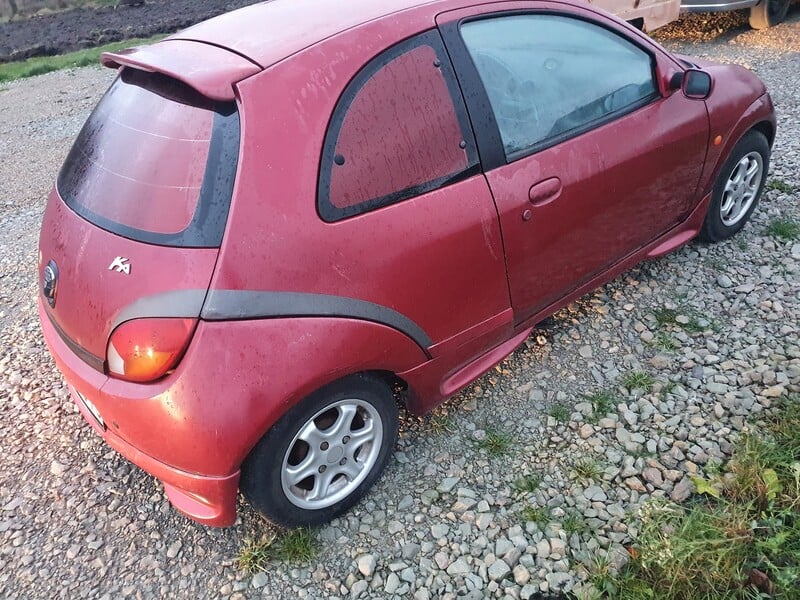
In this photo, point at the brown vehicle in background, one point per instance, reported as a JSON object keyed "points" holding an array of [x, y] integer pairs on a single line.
{"points": [[652, 14], [647, 15]]}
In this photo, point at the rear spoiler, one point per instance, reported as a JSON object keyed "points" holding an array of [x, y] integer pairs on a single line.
{"points": [[210, 70]]}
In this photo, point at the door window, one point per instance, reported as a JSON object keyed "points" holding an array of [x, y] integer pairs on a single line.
{"points": [[550, 77], [398, 131]]}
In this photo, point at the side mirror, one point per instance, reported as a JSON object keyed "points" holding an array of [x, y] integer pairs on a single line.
{"points": [[696, 84]]}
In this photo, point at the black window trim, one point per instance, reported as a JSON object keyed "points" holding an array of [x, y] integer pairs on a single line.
{"points": [[330, 213], [207, 226], [487, 132]]}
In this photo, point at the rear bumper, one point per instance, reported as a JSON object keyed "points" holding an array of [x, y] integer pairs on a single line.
{"points": [[715, 5], [208, 499]]}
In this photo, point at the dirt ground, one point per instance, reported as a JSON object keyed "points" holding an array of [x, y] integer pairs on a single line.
{"points": [[70, 30]]}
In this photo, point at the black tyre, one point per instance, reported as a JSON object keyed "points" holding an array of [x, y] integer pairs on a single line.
{"points": [[768, 13], [738, 188], [321, 457]]}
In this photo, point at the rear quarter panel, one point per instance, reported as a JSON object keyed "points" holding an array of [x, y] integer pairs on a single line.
{"points": [[238, 378]]}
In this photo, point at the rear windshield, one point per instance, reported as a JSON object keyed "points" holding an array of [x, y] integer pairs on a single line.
{"points": [[155, 162]]}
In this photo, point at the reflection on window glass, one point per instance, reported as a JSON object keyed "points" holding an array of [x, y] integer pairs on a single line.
{"points": [[141, 157], [548, 75], [399, 134]]}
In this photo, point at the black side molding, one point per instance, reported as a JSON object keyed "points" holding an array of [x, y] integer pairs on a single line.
{"points": [[224, 305]]}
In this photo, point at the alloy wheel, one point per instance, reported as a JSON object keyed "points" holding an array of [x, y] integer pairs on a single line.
{"points": [[331, 454], [741, 188]]}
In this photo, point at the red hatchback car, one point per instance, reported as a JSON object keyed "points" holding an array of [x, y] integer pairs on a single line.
{"points": [[275, 218]]}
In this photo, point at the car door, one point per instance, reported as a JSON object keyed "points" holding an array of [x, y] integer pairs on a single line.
{"points": [[588, 155]]}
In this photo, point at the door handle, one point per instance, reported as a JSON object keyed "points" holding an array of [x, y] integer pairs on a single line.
{"points": [[545, 191]]}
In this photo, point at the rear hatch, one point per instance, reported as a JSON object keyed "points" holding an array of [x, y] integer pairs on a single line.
{"points": [[134, 224]]}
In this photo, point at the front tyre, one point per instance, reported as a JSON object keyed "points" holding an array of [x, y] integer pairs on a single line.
{"points": [[321, 457], [738, 188], [767, 13]]}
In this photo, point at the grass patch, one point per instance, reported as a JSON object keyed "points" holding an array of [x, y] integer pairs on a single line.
{"points": [[638, 380], [496, 442], [573, 522], [293, 546], [535, 514], [779, 185], [441, 423], [739, 539], [602, 401], [696, 325], [665, 316], [81, 58], [560, 412], [587, 470], [695, 322], [527, 484], [664, 341], [783, 228]]}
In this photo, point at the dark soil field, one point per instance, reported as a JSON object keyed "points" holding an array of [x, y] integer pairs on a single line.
{"points": [[70, 30]]}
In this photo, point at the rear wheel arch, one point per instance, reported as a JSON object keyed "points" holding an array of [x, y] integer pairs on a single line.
{"points": [[265, 469], [399, 387]]}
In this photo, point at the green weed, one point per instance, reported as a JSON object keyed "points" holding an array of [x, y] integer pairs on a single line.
{"points": [[665, 316], [740, 538], [783, 228], [779, 185], [669, 387], [573, 522], [603, 402], [527, 484], [664, 341], [441, 423], [535, 514], [587, 470], [638, 380], [293, 546], [560, 412], [496, 442]]}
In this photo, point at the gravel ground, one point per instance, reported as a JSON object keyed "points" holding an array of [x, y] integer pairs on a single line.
{"points": [[445, 521]]}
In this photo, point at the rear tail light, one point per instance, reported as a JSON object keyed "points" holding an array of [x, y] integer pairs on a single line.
{"points": [[147, 349]]}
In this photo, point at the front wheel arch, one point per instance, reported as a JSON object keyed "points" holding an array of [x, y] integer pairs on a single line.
{"points": [[736, 192]]}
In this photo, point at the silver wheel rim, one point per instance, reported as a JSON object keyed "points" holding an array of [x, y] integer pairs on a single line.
{"points": [[741, 188], [331, 454]]}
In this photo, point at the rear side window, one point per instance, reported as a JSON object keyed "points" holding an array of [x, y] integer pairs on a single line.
{"points": [[399, 130], [155, 162]]}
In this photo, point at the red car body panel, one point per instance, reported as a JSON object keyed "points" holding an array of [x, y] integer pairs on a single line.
{"points": [[732, 113], [268, 33], [441, 241], [432, 291], [566, 240], [92, 298]]}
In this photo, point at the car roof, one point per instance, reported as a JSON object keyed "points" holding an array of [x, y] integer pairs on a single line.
{"points": [[268, 32]]}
